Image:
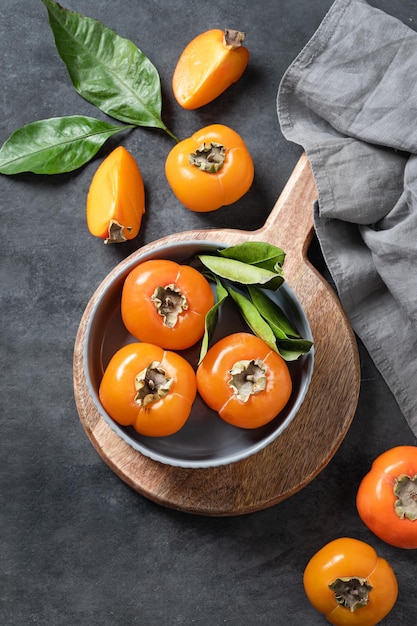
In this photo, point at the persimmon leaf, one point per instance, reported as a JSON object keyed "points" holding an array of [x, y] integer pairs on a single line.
{"points": [[257, 253], [240, 272], [272, 313], [211, 318], [108, 70], [291, 349], [253, 318], [55, 145]]}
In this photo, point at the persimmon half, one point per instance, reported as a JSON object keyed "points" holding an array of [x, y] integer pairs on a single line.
{"points": [[209, 64], [116, 198]]}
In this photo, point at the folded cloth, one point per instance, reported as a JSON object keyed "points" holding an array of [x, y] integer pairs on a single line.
{"points": [[350, 100]]}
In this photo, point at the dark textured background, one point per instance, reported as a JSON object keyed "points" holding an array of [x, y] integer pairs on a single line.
{"points": [[78, 546]]}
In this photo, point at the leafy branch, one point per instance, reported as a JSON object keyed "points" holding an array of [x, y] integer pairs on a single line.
{"points": [[108, 71], [245, 272]]}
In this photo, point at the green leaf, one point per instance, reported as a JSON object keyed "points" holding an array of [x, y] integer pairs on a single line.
{"points": [[211, 319], [272, 313], [240, 272], [55, 145], [290, 344], [291, 349], [256, 253], [262, 314], [107, 70], [253, 318]]}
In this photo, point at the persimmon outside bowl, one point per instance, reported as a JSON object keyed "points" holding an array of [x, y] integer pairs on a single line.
{"points": [[205, 440]]}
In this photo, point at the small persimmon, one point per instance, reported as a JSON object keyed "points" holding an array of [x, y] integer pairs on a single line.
{"points": [[116, 198], [148, 388], [387, 497], [165, 303], [209, 64], [211, 169], [350, 584]]}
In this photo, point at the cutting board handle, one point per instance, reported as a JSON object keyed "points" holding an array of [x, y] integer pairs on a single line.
{"points": [[290, 223]]}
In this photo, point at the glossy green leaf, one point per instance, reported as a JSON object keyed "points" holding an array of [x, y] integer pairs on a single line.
{"points": [[291, 349], [55, 145], [263, 315], [107, 70], [272, 313], [240, 272], [211, 319], [256, 253], [253, 318]]}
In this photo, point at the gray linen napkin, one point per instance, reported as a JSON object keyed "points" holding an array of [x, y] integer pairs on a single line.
{"points": [[350, 100]]}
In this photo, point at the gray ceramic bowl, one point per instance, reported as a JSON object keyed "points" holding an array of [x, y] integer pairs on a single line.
{"points": [[205, 440]]}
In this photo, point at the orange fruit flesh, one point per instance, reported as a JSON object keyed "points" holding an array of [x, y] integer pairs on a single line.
{"points": [[116, 194], [206, 69]]}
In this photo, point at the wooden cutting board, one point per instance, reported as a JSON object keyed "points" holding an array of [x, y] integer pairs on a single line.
{"points": [[310, 441]]}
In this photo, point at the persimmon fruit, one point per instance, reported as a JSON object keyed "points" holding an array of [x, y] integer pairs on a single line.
{"points": [[116, 198], [211, 169]]}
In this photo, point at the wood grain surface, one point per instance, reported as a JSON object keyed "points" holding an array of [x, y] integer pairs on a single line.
{"points": [[309, 442]]}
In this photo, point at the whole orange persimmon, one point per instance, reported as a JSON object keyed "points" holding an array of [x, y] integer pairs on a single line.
{"points": [[165, 303], [387, 497], [350, 584], [148, 388], [244, 380], [211, 169]]}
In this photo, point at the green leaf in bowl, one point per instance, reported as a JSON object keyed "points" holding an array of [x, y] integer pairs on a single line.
{"points": [[257, 253], [291, 349], [272, 313], [211, 318], [242, 273], [253, 318]]}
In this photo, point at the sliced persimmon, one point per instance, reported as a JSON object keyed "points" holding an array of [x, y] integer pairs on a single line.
{"points": [[209, 64], [116, 198]]}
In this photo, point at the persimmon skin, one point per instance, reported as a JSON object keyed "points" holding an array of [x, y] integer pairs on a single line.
{"points": [[140, 316], [117, 391], [375, 497], [206, 68], [116, 197], [348, 557], [213, 376], [201, 191]]}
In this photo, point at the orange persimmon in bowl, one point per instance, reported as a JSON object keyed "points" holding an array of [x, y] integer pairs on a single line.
{"points": [[116, 198]]}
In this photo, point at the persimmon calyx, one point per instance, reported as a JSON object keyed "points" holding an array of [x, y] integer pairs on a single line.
{"points": [[116, 232], [169, 302], [233, 38], [405, 488], [209, 157], [351, 592], [247, 378], [152, 384]]}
